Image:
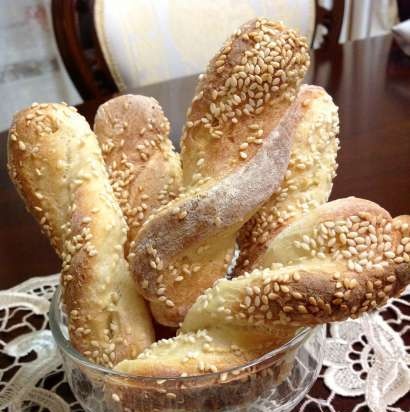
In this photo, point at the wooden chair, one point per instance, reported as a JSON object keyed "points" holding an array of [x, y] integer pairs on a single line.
{"points": [[331, 19], [82, 54], [404, 9], [79, 48]]}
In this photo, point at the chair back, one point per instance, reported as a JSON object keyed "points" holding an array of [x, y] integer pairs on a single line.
{"points": [[147, 42], [109, 46]]}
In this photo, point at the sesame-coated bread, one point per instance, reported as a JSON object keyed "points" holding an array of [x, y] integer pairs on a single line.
{"points": [[308, 179], [245, 91], [342, 259], [130, 217], [56, 164], [203, 383], [144, 170], [246, 98], [204, 351]]}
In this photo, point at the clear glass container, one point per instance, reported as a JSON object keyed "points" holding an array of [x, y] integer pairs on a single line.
{"points": [[276, 381]]}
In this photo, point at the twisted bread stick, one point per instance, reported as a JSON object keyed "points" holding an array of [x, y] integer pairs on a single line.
{"points": [[144, 170], [204, 351], [56, 164], [356, 257], [343, 258], [308, 179], [183, 247], [244, 93]]}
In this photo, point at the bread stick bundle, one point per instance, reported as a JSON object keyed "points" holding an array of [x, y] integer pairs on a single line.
{"points": [[357, 257], [238, 131]]}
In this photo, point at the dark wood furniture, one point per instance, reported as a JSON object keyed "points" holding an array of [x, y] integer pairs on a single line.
{"points": [[332, 19], [74, 29], [79, 48], [403, 9], [373, 96]]}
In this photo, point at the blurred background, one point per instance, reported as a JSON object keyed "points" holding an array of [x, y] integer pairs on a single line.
{"points": [[74, 50]]}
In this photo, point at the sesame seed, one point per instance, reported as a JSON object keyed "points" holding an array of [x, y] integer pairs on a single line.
{"points": [[297, 295], [296, 277], [284, 289], [273, 296], [388, 288], [253, 126], [389, 254], [301, 309], [213, 368], [171, 395], [312, 301]]}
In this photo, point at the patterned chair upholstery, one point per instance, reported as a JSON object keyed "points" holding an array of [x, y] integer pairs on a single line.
{"points": [[147, 42]]}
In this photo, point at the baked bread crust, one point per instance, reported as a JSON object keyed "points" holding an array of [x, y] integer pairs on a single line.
{"points": [[247, 88], [144, 170], [344, 258], [308, 179], [56, 164], [186, 245], [329, 281]]}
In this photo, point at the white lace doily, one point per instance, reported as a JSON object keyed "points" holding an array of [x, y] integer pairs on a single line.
{"points": [[365, 359]]}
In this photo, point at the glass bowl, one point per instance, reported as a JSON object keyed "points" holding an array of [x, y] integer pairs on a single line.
{"points": [[276, 381]]}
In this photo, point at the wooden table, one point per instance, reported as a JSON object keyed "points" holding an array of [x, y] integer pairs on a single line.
{"points": [[369, 80]]}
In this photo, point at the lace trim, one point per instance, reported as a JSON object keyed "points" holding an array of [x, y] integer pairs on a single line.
{"points": [[365, 358]]}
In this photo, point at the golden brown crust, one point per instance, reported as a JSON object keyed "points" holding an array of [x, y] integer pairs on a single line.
{"points": [[330, 281], [299, 295], [308, 179], [211, 351], [189, 392], [344, 258], [144, 170], [51, 218], [56, 163], [246, 89], [185, 246]]}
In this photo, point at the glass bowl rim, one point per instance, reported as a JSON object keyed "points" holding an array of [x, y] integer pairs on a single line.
{"points": [[65, 345]]}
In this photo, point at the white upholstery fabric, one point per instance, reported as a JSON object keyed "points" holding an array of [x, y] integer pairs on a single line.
{"points": [[147, 41]]}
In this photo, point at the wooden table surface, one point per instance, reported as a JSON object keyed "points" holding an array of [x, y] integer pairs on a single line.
{"points": [[370, 82]]}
